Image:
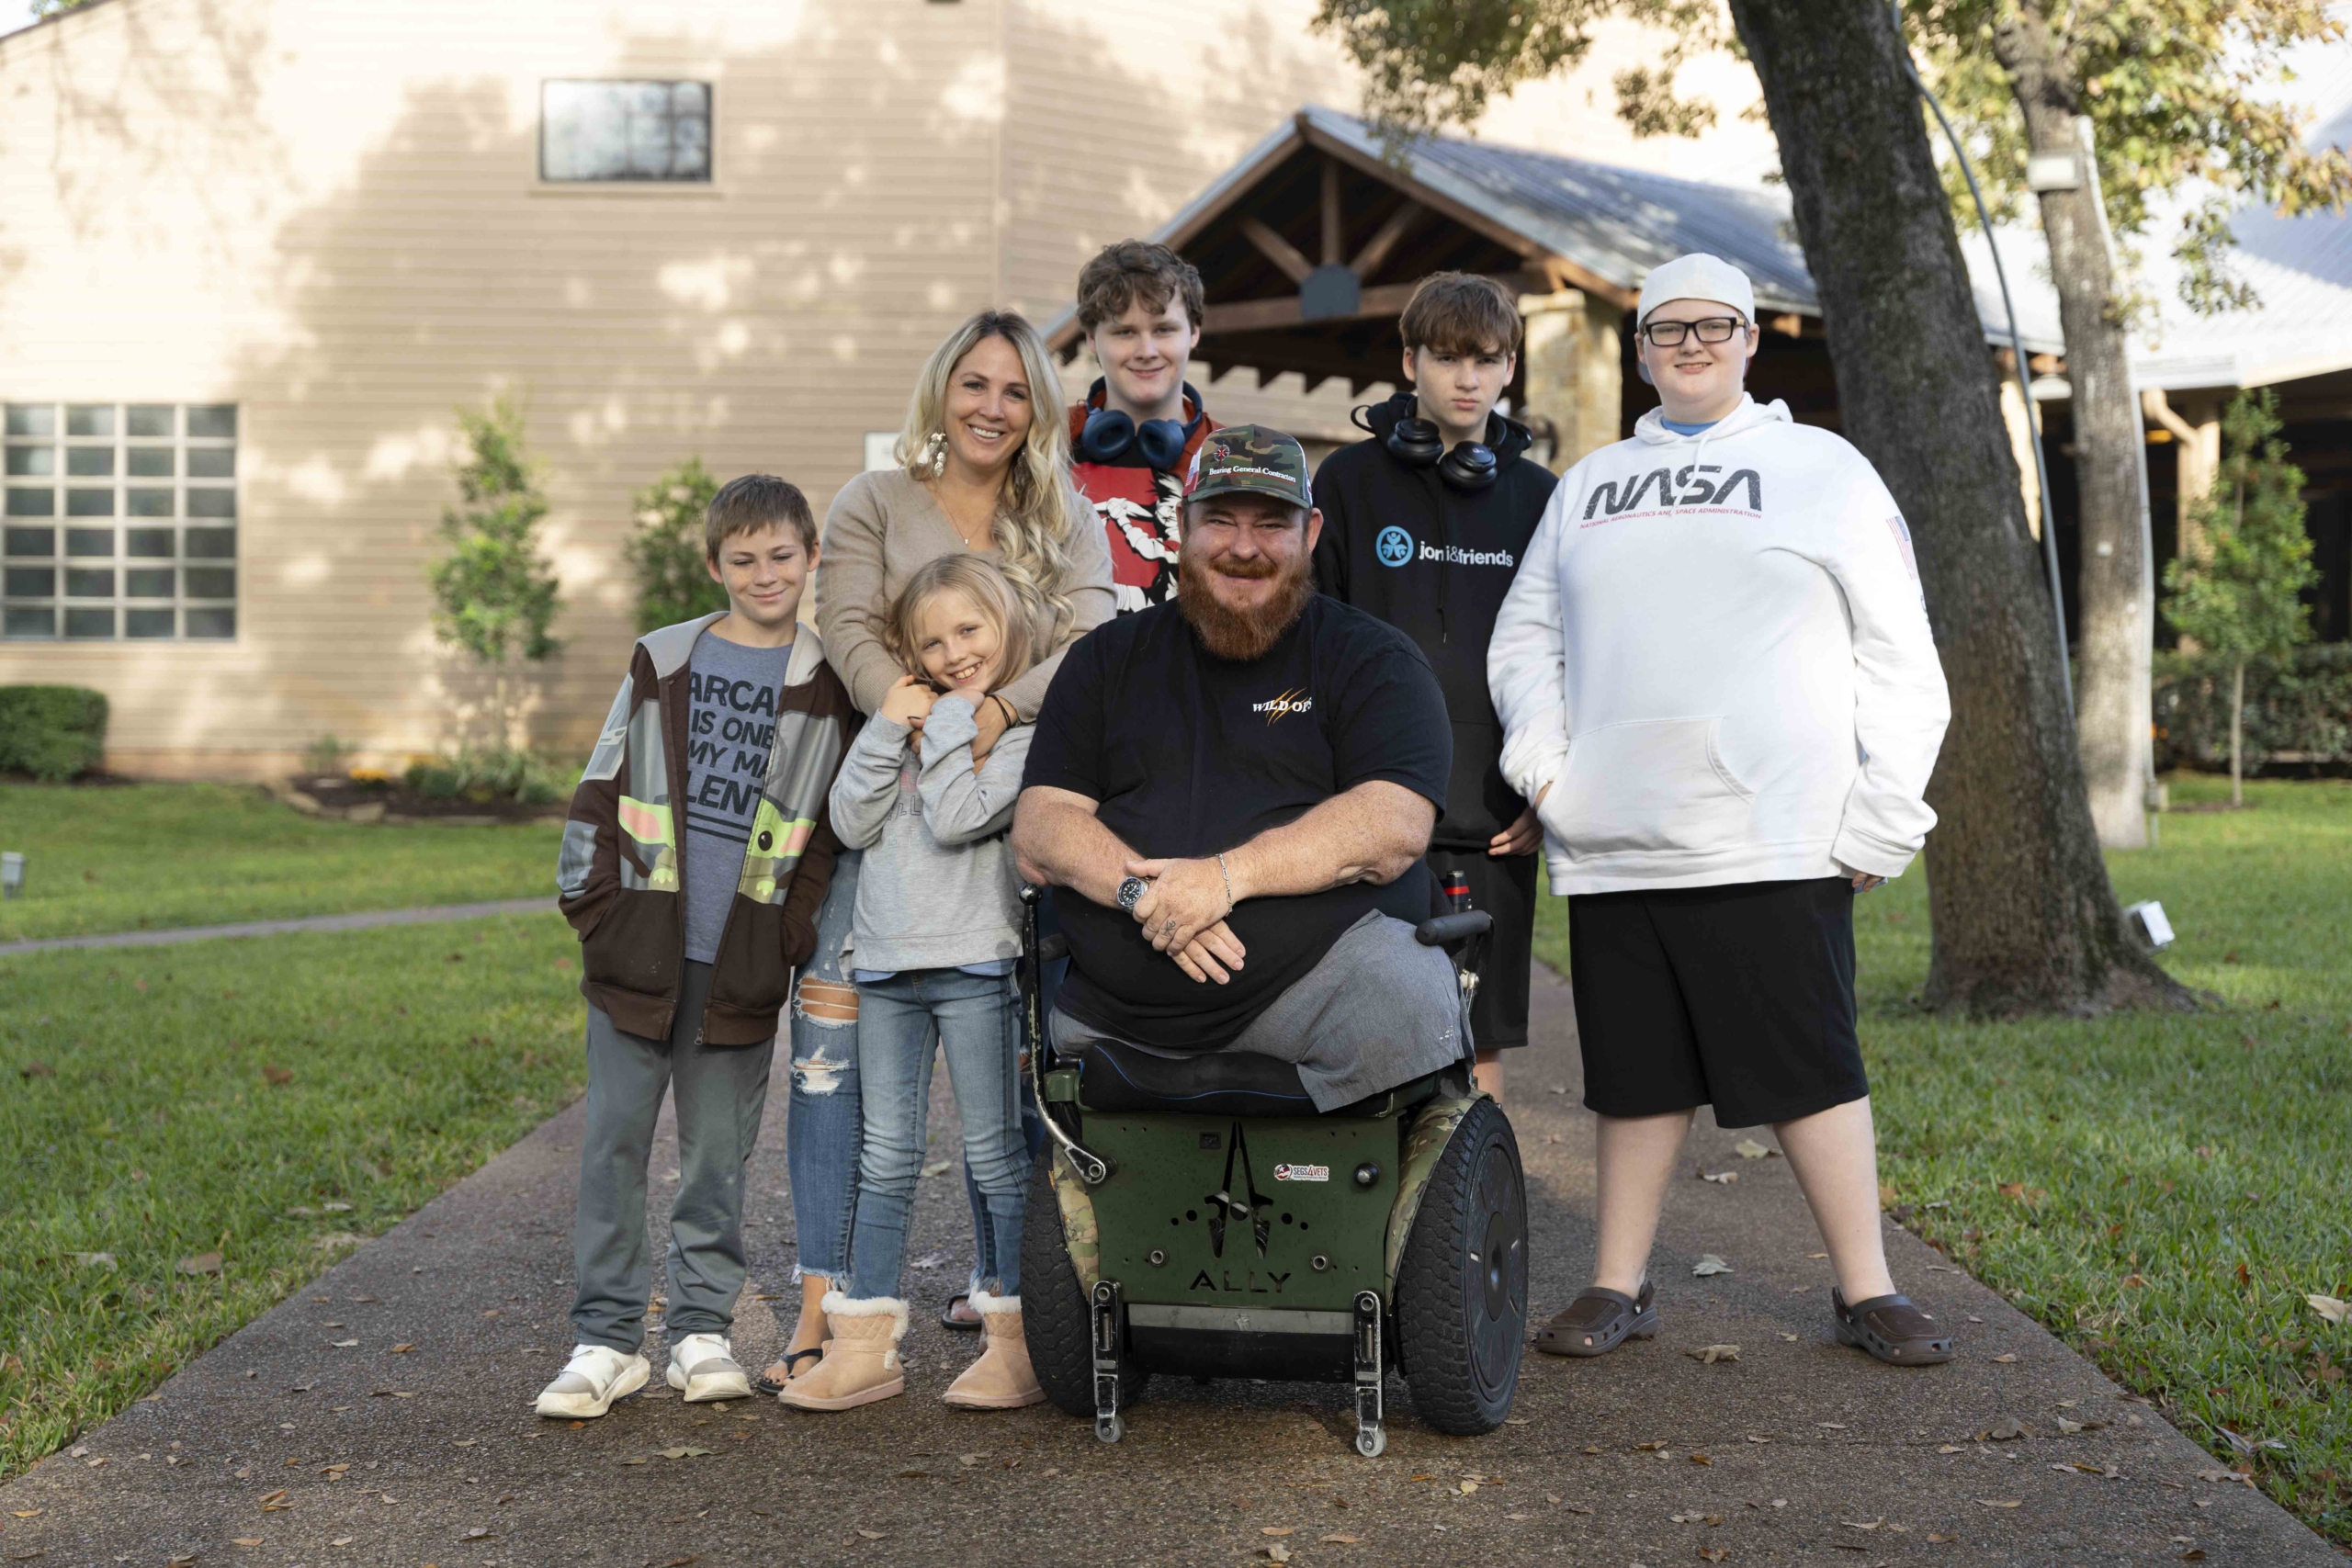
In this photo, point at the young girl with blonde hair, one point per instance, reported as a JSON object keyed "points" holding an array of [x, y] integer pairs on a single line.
{"points": [[931, 951]]}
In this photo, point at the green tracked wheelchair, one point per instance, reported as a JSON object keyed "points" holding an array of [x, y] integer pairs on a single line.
{"points": [[1199, 1217]]}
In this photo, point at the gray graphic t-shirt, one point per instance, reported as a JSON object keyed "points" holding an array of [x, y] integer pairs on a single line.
{"points": [[731, 722]]}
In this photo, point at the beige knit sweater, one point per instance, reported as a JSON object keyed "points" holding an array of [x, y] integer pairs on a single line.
{"points": [[883, 527]]}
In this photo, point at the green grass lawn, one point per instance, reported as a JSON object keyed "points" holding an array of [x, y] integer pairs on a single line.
{"points": [[108, 858], [2161, 1191], [269, 1100]]}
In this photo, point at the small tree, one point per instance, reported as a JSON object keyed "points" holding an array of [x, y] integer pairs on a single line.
{"points": [[666, 552], [2243, 598], [493, 595]]}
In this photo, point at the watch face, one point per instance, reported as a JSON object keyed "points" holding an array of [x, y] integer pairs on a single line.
{"points": [[1129, 891]]}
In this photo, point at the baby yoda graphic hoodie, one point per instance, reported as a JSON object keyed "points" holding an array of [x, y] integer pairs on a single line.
{"points": [[1718, 660]]}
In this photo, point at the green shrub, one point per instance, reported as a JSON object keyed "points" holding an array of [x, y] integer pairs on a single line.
{"points": [[52, 732], [488, 773], [2298, 709], [666, 553]]}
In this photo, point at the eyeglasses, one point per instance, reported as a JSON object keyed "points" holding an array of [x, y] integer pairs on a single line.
{"points": [[1713, 329]]}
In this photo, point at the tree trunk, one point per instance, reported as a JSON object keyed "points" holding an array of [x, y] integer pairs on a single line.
{"points": [[2237, 734], [2115, 631], [2025, 919]]}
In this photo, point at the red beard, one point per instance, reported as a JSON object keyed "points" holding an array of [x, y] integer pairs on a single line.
{"points": [[1242, 636]]}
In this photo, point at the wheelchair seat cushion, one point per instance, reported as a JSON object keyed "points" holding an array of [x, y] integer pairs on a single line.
{"points": [[1116, 1077]]}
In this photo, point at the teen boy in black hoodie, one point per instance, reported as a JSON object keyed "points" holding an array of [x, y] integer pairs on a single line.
{"points": [[1424, 525]]}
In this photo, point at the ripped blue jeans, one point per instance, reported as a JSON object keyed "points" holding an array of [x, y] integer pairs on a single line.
{"points": [[823, 1126]]}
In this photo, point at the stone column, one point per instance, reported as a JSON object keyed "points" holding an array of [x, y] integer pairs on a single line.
{"points": [[1570, 361]]}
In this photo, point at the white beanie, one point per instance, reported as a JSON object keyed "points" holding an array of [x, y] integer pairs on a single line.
{"points": [[1697, 276]]}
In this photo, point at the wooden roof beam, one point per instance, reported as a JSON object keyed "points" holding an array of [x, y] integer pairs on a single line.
{"points": [[1277, 250], [1376, 250]]}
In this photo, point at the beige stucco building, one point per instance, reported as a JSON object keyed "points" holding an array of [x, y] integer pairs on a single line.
{"points": [[253, 252]]}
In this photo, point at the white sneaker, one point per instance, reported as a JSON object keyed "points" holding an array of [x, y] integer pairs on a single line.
{"points": [[591, 1381], [702, 1367]]}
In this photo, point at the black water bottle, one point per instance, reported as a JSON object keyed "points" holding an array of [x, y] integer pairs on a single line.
{"points": [[1457, 893]]}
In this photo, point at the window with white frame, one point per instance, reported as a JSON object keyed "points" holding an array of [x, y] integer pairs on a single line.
{"points": [[120, 522], [625, 131]]}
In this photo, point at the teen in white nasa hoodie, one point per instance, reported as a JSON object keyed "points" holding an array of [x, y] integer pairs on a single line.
{"points": [[1716, 660]]}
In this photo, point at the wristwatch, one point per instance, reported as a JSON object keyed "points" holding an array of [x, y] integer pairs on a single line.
{"points": [[1129, 891]]}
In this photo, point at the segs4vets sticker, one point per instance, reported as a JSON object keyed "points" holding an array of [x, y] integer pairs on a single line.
{"points": [[1302, 1173]]}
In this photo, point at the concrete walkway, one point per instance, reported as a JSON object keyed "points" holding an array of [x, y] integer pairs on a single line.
{"points": [[295, 1447], [359, 920]]}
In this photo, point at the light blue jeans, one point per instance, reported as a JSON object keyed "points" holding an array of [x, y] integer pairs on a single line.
{"points": [[903, 1022], [823, 1122]]}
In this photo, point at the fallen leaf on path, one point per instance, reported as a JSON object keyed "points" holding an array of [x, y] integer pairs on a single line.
{"points": [[202, 1263], [1862, 1525], [929, 1260], [1754, 1438], [1649, 1447], [1709, 1355], [403, 1349], [2329, 1307], [343, 1540], [276, 1496], [1341, 1539], [1951, 1449], [1710, 1264], [25, 1513], [1277, 1553], [2007, 1431], [1790, 1338], [2001, 1503], [244, 1541], [347, 1343], [1700, 1459], [1712, 1554], [935, 1167], [1278, 1530], [2005, 1358], [477, 1533], [1831, 1425], [1720, 1178], [2194, 1554], [1467, 1487], [1748, 1148], [337, 1208], [686, 1451], [870, 1535]]}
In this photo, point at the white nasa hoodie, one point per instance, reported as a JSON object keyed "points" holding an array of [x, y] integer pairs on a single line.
{"points": [[1716, 656]]}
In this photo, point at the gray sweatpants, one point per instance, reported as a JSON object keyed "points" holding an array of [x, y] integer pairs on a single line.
{"points": [[720, 1094], [1379, 1009]]}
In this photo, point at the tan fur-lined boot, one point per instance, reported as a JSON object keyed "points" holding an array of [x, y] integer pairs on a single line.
{"points": [[1003, 1378], [860, 1362]]}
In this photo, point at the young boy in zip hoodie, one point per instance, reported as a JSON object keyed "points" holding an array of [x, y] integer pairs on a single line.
{"points": [[1424, 525], [1718, 686], [695, 860]]}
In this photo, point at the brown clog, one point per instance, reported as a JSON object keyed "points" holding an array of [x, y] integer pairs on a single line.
{"points": [[1892, 1330], [1598, 1321]]}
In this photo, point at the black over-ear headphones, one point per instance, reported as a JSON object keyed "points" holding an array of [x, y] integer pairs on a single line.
{"points": [[1418, 444], [1108, 436]]}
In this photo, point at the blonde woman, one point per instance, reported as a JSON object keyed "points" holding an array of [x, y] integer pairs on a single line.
{"points": [[983, 467]]}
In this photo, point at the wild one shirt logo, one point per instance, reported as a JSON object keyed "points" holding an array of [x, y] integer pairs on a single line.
{"points": [[1678, 489], [1295, 700]]}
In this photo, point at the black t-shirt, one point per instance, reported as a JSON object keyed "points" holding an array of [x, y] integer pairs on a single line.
{"points": [[1189, 755]]}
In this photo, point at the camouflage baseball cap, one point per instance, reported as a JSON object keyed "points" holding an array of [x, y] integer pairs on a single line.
{"points": [[1253, 458]]}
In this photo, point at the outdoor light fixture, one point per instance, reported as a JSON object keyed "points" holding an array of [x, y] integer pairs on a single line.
{"points": [[2148, 921], [12, 874]]}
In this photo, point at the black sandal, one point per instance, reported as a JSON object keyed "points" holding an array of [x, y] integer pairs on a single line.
{"points": [[1892, 1330], [947, 1318], [1598, 1321], [792, 1360]]}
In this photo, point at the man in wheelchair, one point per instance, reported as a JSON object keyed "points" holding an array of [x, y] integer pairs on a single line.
{"points": [[1239, 787]]}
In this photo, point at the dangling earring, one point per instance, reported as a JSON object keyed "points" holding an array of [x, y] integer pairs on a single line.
{"points": [[934, 452]]}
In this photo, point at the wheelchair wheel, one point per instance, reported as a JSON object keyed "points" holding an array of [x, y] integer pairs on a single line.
{"points": [[1461, 1298], [1054, 1313]]}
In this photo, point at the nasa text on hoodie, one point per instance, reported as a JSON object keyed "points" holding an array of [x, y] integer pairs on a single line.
{"points": [[1717, 660]]}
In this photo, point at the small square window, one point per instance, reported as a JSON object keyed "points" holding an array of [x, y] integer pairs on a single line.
{"points": [[90, 542], [150, 420], [32, 542], [26, 621], [212, 582], [148, 502], [148, 462], [90, 502], [214, 421], [212, 462], [625, 131], [80, 582], [213, 500], [32, 503], [212, 544], [32, 460], [220, 622], [31, 419], [148, 582], [150, 543], [30, 581], [89, 419], [90, 623], [87, 462], [147, 623]]}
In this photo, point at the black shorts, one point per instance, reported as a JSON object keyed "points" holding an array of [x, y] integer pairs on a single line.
{"points": [[1505, 887], [1741, 996]]}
